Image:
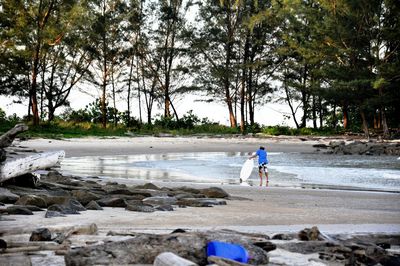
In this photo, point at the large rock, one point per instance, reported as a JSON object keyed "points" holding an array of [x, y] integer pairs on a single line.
{"points": [[309, 234], [140, 208], [214, 192], [32, 200], [19, 210], [71, 206], [40, 234], [84, 196], [7, 196], [112, 202], [93, 205]]}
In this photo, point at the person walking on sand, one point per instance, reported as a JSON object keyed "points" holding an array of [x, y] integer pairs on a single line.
{"points": [[262, 163]]}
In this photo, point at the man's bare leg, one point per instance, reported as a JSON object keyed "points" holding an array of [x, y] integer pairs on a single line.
{"points": [[260, 174]]}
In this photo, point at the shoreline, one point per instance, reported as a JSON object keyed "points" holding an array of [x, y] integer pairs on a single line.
{"points": [[284, 205]]}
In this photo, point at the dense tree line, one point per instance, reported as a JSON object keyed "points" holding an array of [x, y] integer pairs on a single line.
{"points": [[333, 62]]}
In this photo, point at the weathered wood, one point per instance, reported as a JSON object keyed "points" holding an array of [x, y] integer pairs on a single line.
{"points": [[171, 259], [17, 167], [7, 138], [80, 229], [22, 249]]}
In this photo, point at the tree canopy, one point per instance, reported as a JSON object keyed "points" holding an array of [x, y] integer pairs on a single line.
{"points": [[334, 63]]}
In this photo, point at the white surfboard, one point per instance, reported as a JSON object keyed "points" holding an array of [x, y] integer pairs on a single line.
{"points": [[247, 168]]}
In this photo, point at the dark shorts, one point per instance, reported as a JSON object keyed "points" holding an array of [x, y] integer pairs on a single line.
{"points": [[262, 166]]}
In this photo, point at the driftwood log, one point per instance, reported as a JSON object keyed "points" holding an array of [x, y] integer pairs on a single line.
{"points": [[21, 166], [7, 138], [24, 165]]}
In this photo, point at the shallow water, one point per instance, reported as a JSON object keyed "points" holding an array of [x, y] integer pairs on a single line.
{"points": [[286, 169]]}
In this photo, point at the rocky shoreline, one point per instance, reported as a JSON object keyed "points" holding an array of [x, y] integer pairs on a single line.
{"points": [[360, 148], [60, 196]]}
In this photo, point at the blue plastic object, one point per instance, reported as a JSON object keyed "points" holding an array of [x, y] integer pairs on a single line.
{"points": [[227, 250]]}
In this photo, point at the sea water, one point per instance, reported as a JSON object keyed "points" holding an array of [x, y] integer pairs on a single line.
{"points": [[285, 169]]}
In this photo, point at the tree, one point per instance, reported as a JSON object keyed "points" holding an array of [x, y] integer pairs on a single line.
{"points": [[29, 30], [108, 32], [215, 43]]}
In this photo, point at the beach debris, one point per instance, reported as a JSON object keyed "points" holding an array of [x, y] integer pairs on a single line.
{"points": [[171, 259], [144, 248], [28, 164], [23, 166], [230, 251]]}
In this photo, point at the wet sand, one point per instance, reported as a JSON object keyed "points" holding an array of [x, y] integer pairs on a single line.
{"points": [[252, 209]]}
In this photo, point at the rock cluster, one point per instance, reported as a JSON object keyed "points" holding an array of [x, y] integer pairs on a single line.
{"points": [[262, 250], [360, 147], [62, 195]]}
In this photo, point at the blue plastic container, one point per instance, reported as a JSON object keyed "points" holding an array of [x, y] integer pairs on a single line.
{"points": [[227, 250]]}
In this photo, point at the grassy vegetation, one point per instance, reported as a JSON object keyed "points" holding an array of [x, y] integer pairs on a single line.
{"points": [[63, 129], [74, 126]]}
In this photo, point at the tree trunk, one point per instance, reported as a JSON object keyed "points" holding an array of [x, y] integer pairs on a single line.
{"points": [[288, 99], [304, 98], [104, 81], [243, 85], [345, 115], [314, 112], [364, 124], [33, 90], [228, 55], [383, 117]]}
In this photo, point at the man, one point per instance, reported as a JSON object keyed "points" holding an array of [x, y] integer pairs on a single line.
{"points": [[262, 163]]}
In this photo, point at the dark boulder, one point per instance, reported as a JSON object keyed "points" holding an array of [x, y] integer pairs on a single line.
{"points": [[93, 205], [112, 202], [19, 210], [84, 196], [6, 196], [140, 208], [40, 234], [51, 214], [214, 192], [148, 186]]}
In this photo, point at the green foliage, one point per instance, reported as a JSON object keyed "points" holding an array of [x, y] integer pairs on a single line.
{"points": [[287, 131]]}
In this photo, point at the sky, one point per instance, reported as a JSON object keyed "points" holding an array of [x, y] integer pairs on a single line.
{"points": [[271, 114]]}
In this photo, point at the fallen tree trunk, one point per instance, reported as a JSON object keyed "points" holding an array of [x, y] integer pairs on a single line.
{"points": [[7, 138], [21, 166]]}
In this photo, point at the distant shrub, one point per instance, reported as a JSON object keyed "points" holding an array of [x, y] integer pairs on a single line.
{"points": [[278, 130]]}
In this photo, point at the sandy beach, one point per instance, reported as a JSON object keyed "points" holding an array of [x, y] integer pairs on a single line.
{"points": [[249, 209], [257, 209]]}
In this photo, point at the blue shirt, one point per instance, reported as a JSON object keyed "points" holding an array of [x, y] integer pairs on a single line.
{"points": [[262, 156]]}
